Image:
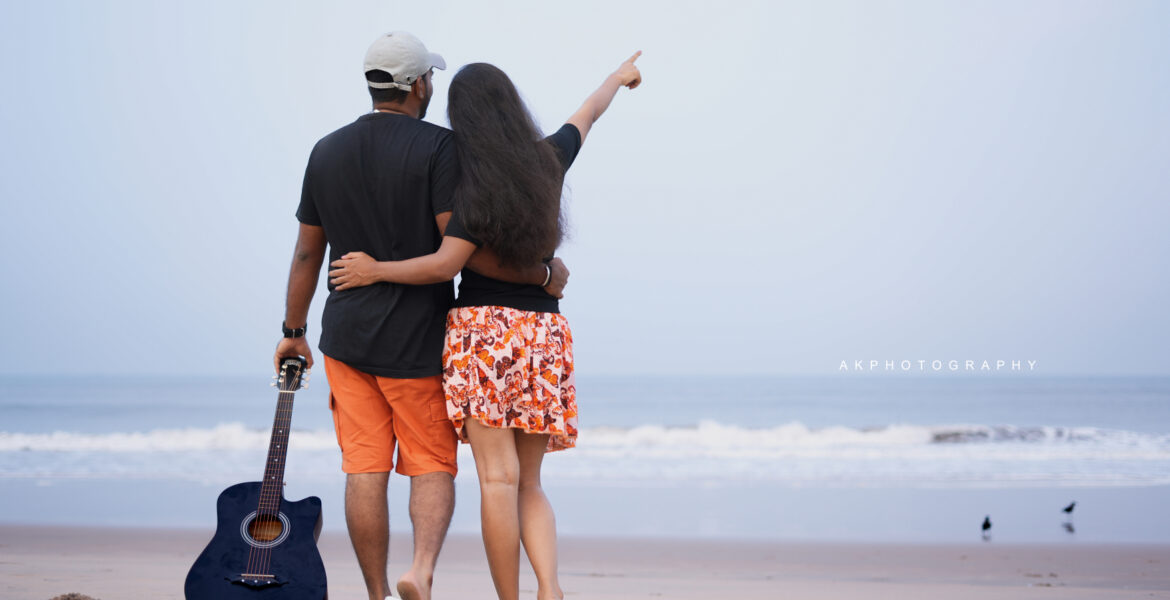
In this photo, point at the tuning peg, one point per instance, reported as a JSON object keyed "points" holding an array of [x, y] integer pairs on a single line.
{"points": [[273, 384]]}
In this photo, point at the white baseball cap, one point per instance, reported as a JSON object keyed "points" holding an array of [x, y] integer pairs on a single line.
{"points": [[403, 56]]}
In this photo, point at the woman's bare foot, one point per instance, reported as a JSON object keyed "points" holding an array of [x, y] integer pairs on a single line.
{"points": [[410, 588], [555, 594]]}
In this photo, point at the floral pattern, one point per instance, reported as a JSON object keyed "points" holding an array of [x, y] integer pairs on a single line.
{"points": [[511, 368]]}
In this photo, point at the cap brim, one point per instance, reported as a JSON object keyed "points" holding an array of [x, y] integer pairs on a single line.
{"points": [[437, 61]]}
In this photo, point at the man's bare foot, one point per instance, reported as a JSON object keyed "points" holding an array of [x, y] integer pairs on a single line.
{"points": [[410, 588]]}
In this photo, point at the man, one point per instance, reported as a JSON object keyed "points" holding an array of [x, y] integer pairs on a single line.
{"points": [[383, 185]]}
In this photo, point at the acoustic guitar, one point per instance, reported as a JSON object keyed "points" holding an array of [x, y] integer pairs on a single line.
{"points": [[264, 546]]}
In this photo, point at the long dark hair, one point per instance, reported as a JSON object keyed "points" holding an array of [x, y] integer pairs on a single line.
{"points": [[509, 191]]}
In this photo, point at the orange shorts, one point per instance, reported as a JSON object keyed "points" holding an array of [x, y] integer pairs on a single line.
{"points": [[371, 414]]}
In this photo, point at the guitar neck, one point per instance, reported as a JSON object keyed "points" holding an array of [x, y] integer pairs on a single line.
{"points": [[272, 486]]}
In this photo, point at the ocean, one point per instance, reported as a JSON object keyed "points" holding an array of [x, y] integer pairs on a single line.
{"points": [[911, 458]]}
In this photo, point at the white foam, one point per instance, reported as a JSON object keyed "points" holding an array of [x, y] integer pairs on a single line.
{"points": [[796, 440], [707, 439], [792, 453], [226, 436]]}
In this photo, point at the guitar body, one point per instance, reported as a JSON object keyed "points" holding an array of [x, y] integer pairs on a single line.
{"points": [[285, 546]]}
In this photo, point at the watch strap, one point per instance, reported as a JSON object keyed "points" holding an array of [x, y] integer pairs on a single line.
{"points": [[293, 333]]}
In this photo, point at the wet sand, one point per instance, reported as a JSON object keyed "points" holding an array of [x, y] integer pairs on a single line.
{"points": [[38, 563]]}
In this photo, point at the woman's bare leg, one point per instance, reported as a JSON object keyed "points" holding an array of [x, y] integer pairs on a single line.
{"points": [[538, 524], [499, 475]]}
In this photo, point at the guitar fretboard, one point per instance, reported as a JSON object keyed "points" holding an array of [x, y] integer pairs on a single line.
{"points": [[272, 487]]}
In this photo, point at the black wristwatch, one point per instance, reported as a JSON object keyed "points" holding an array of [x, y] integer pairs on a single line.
{"points": [[293, 333]]}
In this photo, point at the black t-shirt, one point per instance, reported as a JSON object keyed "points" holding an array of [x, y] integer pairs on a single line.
{"points": [[478, 290], [376, 185]]}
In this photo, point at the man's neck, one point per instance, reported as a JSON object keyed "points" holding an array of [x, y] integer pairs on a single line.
{"points": [[399, 109]]}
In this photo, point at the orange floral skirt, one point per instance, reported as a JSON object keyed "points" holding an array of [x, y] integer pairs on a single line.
{"points": [[509, 368]]}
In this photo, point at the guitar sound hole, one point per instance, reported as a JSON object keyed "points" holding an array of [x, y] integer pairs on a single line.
{"points": [[264, 531], [265, 528]]}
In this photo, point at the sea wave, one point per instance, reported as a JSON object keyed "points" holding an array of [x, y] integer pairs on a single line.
{"points": [[706, 438], [789, 454], [225, 436]]}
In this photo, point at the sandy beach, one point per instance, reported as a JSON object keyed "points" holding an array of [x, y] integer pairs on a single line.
{"points": [[38, 563]]}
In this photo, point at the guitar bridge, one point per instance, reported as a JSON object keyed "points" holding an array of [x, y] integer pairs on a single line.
{"points": [[256, 580]]}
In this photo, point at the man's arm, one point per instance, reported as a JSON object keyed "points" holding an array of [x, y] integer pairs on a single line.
{"points": [[485, 262], [302, 283]]}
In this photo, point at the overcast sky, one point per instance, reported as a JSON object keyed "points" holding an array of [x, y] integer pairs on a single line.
{"points": [[795, 184]]}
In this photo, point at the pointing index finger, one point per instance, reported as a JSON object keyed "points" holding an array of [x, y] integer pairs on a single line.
{"points": [[634, 57]]}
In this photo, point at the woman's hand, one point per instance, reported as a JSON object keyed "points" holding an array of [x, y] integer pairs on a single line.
{"points": [[627, 74], [355, 269]]}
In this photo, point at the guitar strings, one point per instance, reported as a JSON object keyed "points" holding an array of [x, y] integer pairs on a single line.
{"points": [[284, 408], [253, 526], [274, 493], [274, 466], [256, 527], [266, 486], [262, 510]]}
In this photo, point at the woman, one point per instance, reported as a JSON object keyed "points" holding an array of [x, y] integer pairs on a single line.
{"points": [[508, 362]]}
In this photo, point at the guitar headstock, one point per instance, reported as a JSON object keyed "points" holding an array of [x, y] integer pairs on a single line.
{"points": [[293, 375]]}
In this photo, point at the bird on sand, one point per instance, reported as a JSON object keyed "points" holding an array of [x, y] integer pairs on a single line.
{"points": [[1068, 509], [987, 527]]}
